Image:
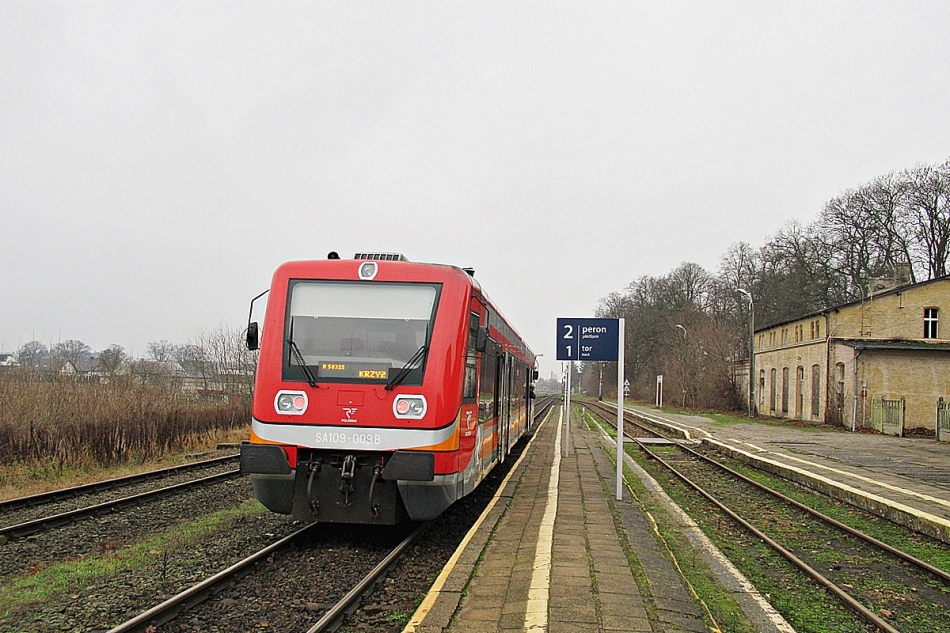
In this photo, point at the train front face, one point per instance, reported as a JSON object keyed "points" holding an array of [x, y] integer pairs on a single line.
{"points": [[358, 391]]}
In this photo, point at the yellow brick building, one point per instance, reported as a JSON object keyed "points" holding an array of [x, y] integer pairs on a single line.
{"points": [[857, 363]]}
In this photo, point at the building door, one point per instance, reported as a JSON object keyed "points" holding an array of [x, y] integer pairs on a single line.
{"points": [[815, 391], [800, 394], [772, 388]]}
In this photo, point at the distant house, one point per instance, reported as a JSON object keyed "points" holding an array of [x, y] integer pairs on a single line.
{"points": [[862, 364], [8, 360]]}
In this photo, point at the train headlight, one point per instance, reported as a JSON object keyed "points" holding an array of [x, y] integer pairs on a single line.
{"points": [[409, 407], [368, 270], [290, 402]]}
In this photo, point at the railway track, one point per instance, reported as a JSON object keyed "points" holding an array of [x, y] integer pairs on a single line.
{"points": [[64, 494], [283, 553], [29, 515], [298, 566], [888, 589]]}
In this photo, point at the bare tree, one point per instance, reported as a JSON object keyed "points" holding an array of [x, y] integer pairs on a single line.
{"points": [[72, 351], [898, 220], [929, 211], [886, 199], [31, 355], [196, 361], [111, 359], [849, 224], [161, 351]]}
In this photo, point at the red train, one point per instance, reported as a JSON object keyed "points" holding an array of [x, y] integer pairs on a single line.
{"points": [[385, 390]]}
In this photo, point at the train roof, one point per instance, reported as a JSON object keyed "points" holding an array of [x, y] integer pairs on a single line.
{"points": [[337, 268]]}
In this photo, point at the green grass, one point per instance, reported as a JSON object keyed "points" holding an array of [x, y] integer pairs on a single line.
{"points": [[923, 547], [63, 577]]}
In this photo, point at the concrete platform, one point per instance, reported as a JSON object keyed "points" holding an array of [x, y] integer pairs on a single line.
{"points": [[556, 552], [906, 480]]}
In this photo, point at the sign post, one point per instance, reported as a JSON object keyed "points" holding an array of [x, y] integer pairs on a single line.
{"points": [[593, 340]]}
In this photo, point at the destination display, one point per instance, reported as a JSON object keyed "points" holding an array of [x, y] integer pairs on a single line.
{"points": [[365, 371]]}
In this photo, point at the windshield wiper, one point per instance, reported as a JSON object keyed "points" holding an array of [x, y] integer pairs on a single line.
{"points": [[402, 373], [311, 379]]}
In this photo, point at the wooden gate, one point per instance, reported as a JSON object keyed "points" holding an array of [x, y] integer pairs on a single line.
{"points": [[887, 416], [943, 420]]}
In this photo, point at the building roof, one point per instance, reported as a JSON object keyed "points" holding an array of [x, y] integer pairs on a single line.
{"points": [[895, 343], [874, 295]]}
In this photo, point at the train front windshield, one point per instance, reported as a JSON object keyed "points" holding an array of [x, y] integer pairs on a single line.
{"points": [[358, 332]]}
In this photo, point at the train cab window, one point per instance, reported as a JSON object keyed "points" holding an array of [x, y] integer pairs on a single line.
{"points": [[358, 332], [469, 391]]}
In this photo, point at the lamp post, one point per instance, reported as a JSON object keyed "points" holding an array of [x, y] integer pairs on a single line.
{"points": [[751, 351], [684, 363]]}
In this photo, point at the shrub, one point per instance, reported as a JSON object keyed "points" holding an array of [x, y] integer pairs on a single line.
{"points": [[66, 421]]}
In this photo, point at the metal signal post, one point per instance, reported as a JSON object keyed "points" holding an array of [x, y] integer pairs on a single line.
{"points": [[593, 340]]}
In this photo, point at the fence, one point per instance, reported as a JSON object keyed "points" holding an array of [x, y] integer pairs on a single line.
{"points": [[943, 420], [887, 416]]}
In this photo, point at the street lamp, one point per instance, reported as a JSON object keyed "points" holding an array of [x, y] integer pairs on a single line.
{"points": [[684, 364], [751, 350]]}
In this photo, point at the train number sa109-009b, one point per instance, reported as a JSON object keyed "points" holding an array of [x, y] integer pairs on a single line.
{"points": [[360, 439]]}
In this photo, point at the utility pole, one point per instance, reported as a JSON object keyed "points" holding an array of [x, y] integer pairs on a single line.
{"points": [[751, 352]]}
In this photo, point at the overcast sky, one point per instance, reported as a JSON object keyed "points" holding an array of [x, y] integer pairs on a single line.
{"points": [[159, 159]]}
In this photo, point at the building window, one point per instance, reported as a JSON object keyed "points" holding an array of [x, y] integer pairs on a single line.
{"points": [[785, 387], [817, 329], [930, 322]]}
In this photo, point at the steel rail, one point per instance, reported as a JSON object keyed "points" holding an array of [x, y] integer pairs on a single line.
{"points": [[30, 527], [863, 612], [867, 538], [167, 610], [857, 607], [109, 484], [330, 621], [333, 618]]}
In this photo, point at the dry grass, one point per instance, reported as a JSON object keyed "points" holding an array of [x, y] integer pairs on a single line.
{"points": [[51, 429]]}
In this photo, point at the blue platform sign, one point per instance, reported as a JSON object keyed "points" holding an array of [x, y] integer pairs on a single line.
{"points": [[587, 339]]}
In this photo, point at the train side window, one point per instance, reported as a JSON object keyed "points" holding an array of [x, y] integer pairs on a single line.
{"points": [[469, 391]]}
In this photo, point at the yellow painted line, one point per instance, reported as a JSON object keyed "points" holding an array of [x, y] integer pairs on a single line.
{"points": [[536, 614], [845, 487], [429, 601], [879, 484]]}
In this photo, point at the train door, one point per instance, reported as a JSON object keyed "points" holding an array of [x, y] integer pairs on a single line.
{"points": [[503, 400]]}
